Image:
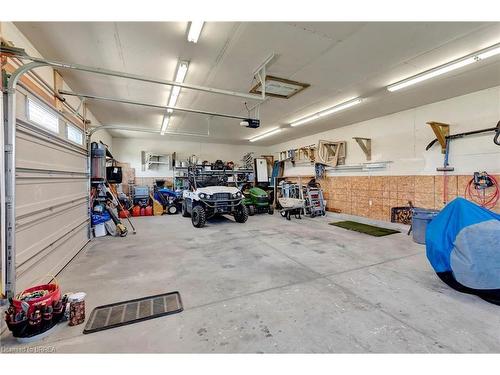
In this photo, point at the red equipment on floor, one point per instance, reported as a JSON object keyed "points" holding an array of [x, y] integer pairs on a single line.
{"points": [[136, 211], [123, 214], [54, 294]]}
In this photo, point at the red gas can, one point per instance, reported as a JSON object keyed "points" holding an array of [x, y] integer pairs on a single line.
{"points": [[123, 214], [143, 211], [136, 211], [149, 211]]}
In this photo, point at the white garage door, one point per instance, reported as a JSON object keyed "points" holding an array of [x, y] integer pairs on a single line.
{"points": [[52, 222]]}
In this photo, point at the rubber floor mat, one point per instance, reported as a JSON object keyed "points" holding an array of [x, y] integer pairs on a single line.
{"points": [[365, 228], [133, 311]]}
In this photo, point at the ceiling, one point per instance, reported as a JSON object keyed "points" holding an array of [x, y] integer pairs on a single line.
{"points": [[340, 60]]}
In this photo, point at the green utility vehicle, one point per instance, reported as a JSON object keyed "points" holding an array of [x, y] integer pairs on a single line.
{"points": [[257, 201]]}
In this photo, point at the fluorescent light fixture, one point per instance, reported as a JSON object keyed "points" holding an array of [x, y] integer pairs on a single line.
{"points": [[194, 30], [182, 69], [489, 53], [326, 112], [442, 69], [431, 74], [164, 125], [266, 134]]}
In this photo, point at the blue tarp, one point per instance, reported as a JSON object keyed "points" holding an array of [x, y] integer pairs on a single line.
{"points": [[464, 239]]}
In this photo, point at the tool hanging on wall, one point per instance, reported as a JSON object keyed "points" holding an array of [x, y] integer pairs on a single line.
{"points": [[483, 189], [446, 165], [442, 136], [442, 132]]}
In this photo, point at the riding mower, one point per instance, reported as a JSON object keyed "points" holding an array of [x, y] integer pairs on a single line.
{"points": [[257, 201]]}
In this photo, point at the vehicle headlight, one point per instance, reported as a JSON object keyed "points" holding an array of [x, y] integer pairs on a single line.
{"points": [[237, 195], [203, 195]]}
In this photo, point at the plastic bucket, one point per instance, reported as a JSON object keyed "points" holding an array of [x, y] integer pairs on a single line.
{"points": [[100, 230], [54, 294], [420, 218]]}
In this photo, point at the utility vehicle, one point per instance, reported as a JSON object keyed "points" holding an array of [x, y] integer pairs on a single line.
{"points": [[209, 195]]}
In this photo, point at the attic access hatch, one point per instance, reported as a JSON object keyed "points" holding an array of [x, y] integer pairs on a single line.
{"points": [[279, 87]]}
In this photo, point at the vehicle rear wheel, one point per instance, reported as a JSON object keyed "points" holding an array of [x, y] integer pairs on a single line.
{"points": [[241, 214], [185, 213], [251, 210], [198, 217]]}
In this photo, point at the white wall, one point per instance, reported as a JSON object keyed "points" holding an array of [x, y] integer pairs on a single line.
{"points": [[403, 136], [128, 150], [11, 33]]}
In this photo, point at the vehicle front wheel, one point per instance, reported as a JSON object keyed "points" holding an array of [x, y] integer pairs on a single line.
{"points": [[185, 213], [172, 209], [198, 217], [241, 214]]}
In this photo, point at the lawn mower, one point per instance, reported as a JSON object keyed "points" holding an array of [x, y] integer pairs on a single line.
{"points": [[257, 201], [170, 200]]}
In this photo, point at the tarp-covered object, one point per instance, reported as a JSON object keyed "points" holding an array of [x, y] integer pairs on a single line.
{"points": [[463, 247]]}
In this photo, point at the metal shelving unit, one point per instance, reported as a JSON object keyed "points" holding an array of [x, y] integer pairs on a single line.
{"points": [[151, 160], [180, 178]]}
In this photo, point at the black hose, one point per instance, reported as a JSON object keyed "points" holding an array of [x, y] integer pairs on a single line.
{"points": [[497, 134], [473, 132]]}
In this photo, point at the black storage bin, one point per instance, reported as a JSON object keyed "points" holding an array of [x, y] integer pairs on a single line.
{"points": [[114, 175]]}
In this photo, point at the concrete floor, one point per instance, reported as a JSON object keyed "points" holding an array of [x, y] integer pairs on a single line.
{"points": [[273, 286]]}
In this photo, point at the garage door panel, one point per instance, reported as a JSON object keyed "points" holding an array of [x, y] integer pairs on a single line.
{"points": [[41, 153], [52, 220], [39, 194], [34, 236], [40, 269]]}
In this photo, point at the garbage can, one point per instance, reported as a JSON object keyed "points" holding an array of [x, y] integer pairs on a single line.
{"points": [[419, 220]]}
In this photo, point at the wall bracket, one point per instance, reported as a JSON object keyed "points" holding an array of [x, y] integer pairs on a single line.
{"points": [[366, 146], [441, 131], [331, 153]]}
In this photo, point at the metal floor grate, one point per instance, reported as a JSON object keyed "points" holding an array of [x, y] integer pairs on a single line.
{"points": [[133, 311]]}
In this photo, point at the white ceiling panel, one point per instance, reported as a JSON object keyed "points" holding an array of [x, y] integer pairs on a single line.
{"points": [[340, 60]]}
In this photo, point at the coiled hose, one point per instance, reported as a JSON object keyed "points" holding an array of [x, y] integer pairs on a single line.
{"points": [[479, 196]]}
